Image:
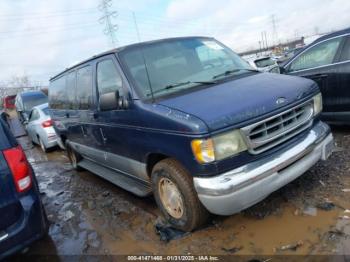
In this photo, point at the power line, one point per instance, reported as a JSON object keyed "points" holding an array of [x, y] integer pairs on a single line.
{"points": [[110, 28], [23, 15], [48, 27], [48, 31]]}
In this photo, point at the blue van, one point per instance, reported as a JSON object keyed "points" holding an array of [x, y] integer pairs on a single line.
{"points": [[187, 120]]}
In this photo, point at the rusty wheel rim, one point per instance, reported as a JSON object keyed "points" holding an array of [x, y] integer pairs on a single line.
{"points": [[171, 198]]}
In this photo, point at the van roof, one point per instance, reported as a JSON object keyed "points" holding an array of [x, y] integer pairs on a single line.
{"points": [[119, 49], [334, 34], [32, 93]]}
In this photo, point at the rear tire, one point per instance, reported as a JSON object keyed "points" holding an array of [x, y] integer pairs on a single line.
{"points": [[176, 196], [74, 157]]}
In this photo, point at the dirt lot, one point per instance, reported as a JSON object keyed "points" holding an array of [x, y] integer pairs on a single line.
{"points": [[91, 216]]}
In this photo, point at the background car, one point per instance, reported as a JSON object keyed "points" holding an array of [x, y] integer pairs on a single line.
{"points": [[264, 64], [26, 100], [288, 54], [40, 129], [327, 61], [9, 102], [23, 218]]}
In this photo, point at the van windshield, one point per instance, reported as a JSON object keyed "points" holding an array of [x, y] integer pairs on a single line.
{"points": [[178, 64]]}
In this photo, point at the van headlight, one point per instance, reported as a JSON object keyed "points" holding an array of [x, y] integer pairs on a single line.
{"points": [[218, 147], [317, 104]]}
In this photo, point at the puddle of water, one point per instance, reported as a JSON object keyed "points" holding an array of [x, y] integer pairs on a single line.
{"points": [[254, 236]]}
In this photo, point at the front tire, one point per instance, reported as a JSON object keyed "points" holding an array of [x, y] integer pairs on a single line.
{"points": [[176, 197]]}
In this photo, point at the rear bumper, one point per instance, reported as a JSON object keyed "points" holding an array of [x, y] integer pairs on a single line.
{"points": [[30, 227], [243, 187], [49, 136], [51, 143]]}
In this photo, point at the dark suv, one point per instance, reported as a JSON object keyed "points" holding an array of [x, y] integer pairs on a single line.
{"points": [[189, 121], [23, 218], [327, 61]]}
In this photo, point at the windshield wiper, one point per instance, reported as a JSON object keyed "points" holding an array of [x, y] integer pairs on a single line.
{"points": [[229, 72], [182, 84]]}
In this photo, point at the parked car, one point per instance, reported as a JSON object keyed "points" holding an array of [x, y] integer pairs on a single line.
{"points": [[26, 100], [265, 64], [9, 102], [327, 61], [288, 54], [23, 218], [189, 121], [40, 128]]}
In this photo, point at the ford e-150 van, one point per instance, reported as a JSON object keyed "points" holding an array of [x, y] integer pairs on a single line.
{"points": [[186, 119]]}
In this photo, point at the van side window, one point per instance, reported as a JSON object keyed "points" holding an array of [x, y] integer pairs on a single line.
{"points": [[318, 55], [57, 93], [108, 78], [84, 88], [71, 89]]}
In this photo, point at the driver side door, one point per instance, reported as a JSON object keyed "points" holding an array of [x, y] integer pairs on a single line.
{"points": [[319, 63]]}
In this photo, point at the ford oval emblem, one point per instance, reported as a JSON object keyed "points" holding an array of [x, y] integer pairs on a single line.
{"points": [[280, 100]]}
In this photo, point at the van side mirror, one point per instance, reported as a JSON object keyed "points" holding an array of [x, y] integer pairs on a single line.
{"points": [[113, 101], [109, 101]]}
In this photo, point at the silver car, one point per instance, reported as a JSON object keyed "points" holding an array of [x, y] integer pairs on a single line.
{"points": [[264, 64], [40, 128]]}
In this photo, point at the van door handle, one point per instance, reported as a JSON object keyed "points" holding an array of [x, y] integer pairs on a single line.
{"points": [[83, 131], [94, 115], [103, 136], [321, 76]]}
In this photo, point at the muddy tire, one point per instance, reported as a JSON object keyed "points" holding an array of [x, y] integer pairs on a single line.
{"points": [[73, 157], [176, 197]]}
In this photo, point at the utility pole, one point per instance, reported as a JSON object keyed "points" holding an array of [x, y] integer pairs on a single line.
{"points": [[262, 40], [274, 29], [267, 47], [106, 19], [259, 46]]}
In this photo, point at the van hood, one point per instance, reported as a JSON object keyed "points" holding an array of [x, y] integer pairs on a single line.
{"points": [[242, 99]]}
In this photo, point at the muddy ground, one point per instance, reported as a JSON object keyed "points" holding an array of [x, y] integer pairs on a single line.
{"points": [[88, 215]]}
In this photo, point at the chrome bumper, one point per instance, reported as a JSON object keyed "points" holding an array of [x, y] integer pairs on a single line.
{"points": [[243, 187]]}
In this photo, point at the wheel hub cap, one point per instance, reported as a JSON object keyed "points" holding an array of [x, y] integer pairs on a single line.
{"points": [[171, 198]]}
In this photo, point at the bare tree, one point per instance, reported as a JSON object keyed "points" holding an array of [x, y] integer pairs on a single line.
{"points": [[20, 81]]}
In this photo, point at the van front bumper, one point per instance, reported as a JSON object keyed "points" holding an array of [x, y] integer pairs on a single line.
{"points": [[240, 188]]}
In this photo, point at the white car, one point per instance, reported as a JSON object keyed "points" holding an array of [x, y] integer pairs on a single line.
{"points": [[264, 64], [40, 128]]}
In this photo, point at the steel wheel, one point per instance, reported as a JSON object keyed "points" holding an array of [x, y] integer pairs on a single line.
{"points": [[171, 198]]}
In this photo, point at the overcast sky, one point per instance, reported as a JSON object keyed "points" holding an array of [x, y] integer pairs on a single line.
{"points": [[40, 38]]}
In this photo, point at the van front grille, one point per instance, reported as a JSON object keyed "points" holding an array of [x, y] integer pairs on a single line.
{"points": [[274, 130]]}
